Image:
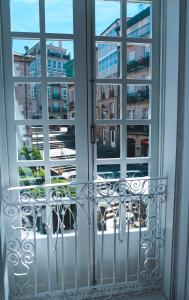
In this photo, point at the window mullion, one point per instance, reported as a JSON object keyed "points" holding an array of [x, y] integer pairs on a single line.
{"points": [[44, 90], [123, 134]]}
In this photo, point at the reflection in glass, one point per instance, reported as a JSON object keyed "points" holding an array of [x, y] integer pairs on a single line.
{"points": [[108, 141], [139, 20], [108, 172], [22, 12], [26, 57], [61, 101], [138, 101], [31, 176], [108, 60], [30, 145], [137, 170], [63, 174], [59, 16], [138, 61], [28, 101], [60, 58], [62, 142], [137, 141], [107, 17], [107, 101]]}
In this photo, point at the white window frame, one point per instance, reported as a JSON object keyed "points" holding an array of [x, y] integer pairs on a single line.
{"points": [[169, 97]]}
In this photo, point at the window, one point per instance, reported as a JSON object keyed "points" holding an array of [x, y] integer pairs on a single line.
{"points": [[34, 91], [113, 141], [92, 115], [49, 65], [126, 93], [104, 136], [54, 65], [59, 66]]}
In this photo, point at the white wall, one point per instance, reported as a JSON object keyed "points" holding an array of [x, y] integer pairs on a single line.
{"points": [[171, 54]]}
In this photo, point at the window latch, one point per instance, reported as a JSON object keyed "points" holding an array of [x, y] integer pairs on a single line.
{"points": [[93, 134]]}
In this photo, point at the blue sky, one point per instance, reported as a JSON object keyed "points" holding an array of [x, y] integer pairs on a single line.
{"points": [[25, 17]]}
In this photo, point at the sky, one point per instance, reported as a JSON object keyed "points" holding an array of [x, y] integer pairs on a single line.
{"points": [[25, 17]]}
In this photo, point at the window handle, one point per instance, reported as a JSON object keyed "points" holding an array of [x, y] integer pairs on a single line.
{"points": [[93, 134]]}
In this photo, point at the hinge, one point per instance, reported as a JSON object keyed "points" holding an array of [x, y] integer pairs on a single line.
{"points": [[93, 134]]}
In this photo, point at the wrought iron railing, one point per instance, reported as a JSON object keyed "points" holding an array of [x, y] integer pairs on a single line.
{"points": [[85, 241]]}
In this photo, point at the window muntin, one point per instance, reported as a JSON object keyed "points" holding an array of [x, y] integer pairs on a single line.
{"points": [[123, 84], [133, 119], [116, 130]]}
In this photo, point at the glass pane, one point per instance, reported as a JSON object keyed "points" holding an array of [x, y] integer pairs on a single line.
{"points": [[22, 12], [26, 57], [30, 145], [138, 97], [62, 142], [138, 61], [108, 60], [60, 58], [63, 174], [28, 104], [139, 18], [31, 176], [61, 101], [137, 140], [108, 141], [108, 172], [137, 170], [59, 16], [107, 101], [107, 15]]}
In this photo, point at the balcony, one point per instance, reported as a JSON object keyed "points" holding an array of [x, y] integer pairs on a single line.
{"points": [[85, 241]]}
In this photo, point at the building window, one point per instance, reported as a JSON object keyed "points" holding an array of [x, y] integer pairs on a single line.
{"points": [[34, 91], [145, 113], [132, 55], [59, 66], [112, 136], [54, 65], [104, 136], [49, 65]]}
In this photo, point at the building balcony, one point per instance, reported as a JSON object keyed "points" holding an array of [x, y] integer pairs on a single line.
{"points": [[135, 65], [85, 241]]}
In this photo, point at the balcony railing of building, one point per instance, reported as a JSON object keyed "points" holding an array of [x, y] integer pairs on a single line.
{"points": [[135, 65], [85, 241]]}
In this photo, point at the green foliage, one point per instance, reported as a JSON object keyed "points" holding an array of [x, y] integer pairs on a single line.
{"points": [[27, 153], [31, 175], [58, 180]]}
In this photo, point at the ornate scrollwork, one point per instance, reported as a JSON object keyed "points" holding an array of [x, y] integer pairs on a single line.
{"points": [[51, 211]]}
